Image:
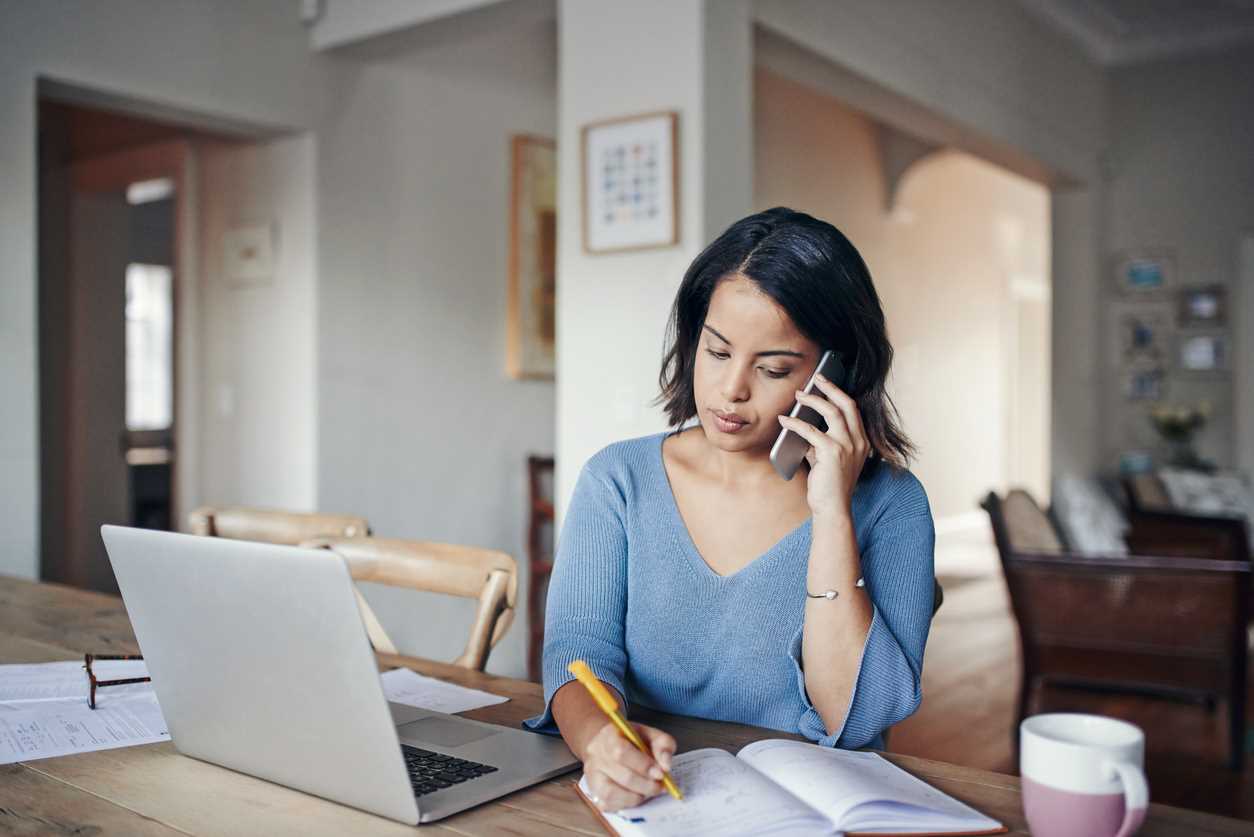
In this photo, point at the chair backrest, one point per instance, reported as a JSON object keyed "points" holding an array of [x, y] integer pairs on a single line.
{"points": [[1068, 604], [273, 526], [539, 557], [1188, 535], [1146, 492], [487, 575], [1026, 526]]}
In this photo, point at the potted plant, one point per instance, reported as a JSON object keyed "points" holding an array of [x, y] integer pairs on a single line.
{"points": [[1177, 424]]}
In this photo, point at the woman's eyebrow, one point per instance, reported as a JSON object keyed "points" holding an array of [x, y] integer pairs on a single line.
{"points": [[771, 353]]}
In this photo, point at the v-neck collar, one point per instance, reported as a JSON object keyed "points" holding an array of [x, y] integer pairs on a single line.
{"points": [[683, 537]]}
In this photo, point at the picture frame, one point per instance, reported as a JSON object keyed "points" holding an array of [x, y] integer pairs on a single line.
{"points": [[1143, 332], [531, 289], [1145, 272], [630, 182], [1136, 461], [1204, 306], [1203, 354], [1144, 383]]}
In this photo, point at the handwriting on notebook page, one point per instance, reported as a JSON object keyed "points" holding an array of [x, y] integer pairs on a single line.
{"points": [[722, 796]]}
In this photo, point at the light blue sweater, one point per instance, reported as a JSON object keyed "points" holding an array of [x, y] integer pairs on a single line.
{"points": [[632, 597]]}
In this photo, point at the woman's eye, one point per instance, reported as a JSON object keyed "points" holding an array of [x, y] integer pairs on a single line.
{"points": [[777, 373], [719, 355]]}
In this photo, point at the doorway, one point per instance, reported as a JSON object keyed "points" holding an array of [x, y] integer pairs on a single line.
{"points": [[109, 202]]}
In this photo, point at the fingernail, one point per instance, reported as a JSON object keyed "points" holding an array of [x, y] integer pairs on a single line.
{"points": [[665, 761], [821, 377], [655, 772]]}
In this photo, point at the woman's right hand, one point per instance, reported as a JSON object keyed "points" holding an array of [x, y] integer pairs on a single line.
{"points": [[620, 775]]}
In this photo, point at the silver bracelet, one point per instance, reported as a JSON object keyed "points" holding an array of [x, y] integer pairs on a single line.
{"points": [[831, 594]]}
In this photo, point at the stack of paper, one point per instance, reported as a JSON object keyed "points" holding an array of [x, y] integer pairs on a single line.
{"points": [[400, 685], [44, 711]]}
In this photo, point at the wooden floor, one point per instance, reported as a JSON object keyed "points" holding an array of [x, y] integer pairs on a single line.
{"points": [[970, 677]]}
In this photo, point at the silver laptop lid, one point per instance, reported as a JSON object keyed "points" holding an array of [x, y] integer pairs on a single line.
{"points": [[261, 664]]}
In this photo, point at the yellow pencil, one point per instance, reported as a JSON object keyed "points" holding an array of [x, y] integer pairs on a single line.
{"points": [[609, 706]]}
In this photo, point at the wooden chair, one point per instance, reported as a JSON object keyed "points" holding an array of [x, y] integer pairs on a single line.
{"points": [[1157, 526], [272, 526], [1149, 625], [484, 574], [539, 559]]}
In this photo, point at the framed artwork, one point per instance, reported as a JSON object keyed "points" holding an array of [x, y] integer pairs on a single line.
{"points": [[1144, 383], [532, 285], [1144, 272], [1143, 330], [631, 183], [1136, 461], [1203, 306], [1202, 354]]}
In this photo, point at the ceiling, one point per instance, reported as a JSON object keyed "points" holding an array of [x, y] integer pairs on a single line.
{"points": [[1118, 32]]}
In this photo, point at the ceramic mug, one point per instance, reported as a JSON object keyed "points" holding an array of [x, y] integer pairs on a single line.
{"points": [[1082, 776]]}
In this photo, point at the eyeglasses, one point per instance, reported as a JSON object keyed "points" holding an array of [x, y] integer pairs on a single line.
{"points": [[95, 684]]}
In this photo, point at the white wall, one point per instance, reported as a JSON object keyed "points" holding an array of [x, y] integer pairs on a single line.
{"points": [[1182, 177], [690, 56], [256, 375], [991, 69], [236, 60], [343, 22], [943, 260], [420, 428]]}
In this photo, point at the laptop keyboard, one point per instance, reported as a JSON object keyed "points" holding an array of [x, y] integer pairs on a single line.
{"points": [[430, 772]]}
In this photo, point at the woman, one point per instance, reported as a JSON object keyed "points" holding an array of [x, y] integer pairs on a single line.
{"points": [[693, 579]]}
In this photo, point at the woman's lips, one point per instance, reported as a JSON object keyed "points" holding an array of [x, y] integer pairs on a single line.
{"points": [[729, 424]]}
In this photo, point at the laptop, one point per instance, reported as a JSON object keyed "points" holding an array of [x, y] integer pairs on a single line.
{"points": [[261, 663]]}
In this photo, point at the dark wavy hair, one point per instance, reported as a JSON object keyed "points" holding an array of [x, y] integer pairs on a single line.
{"points": [[817, 276]]}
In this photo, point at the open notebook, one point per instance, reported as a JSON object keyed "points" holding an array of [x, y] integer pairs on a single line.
{"points": [[790, 787]]}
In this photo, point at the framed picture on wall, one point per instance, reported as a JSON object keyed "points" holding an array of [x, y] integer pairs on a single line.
{"points": [[1145, 272], [1202, 355], [532, 283], [631, 183], [1143, 330], [1204, 306], [1144, 383]]}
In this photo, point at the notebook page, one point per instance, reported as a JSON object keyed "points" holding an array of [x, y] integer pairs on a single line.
{"points": [[722, 796], [838, 781]]}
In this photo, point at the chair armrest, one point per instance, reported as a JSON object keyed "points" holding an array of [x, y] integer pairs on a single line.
{"points": [[1113, 561]]}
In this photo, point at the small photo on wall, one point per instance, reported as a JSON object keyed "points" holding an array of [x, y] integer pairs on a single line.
{"points": [[1203, 306], [1144, 383], [1144, 272], [1143, 333], [1202, 353], [631, 183]]}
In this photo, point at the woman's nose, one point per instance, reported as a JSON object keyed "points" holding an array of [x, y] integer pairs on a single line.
{"points": [[735, 386]]}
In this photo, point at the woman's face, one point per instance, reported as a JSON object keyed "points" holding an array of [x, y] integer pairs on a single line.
{"points": [[750, 362]]}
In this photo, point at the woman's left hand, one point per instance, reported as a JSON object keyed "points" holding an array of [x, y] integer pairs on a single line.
{"points": [[837, 456]]}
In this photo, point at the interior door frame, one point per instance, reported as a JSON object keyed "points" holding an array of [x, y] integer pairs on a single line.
{"points": [[173, 159]]}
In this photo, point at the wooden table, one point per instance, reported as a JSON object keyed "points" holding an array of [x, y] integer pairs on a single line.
{"points": [[152, 789]]}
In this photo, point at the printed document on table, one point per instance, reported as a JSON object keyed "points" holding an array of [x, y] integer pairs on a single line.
{"points": [[63, 727], [400, 685], [20, 684]]}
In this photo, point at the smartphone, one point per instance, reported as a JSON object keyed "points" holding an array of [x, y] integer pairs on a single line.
{"points": [[790, 447]]}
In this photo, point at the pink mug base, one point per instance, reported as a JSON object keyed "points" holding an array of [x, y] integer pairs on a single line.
{"points": [[1057, 813]]}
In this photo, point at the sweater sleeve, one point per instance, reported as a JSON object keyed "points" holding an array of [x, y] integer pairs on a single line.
{"points": [[897, 565], [586, 607]]}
